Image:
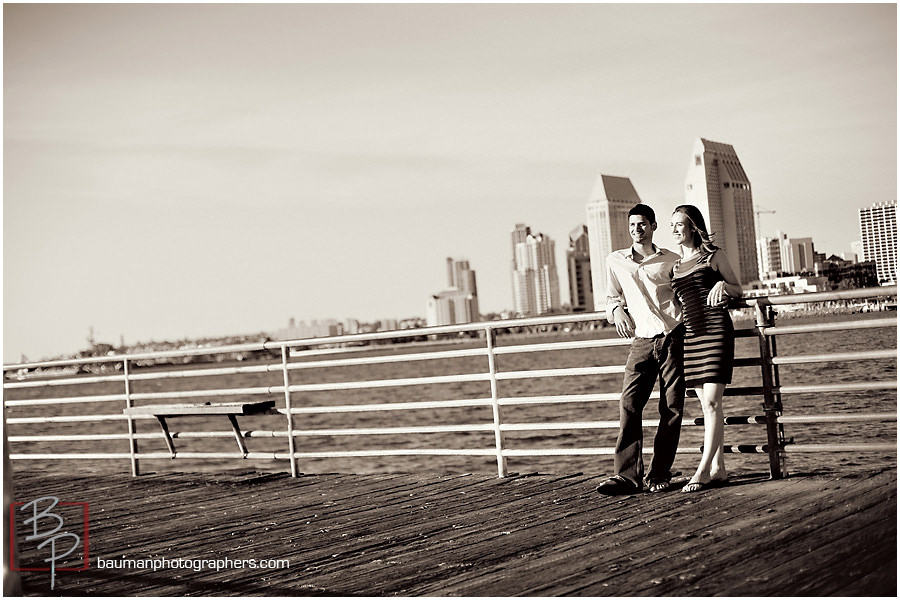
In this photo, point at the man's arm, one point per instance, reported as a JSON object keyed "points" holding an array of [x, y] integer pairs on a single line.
{"points": [[616, 306]]}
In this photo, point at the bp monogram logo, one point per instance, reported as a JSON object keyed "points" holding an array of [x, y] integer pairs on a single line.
{"points": [[50, 536]]}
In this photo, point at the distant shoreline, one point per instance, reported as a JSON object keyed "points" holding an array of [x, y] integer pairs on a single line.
{"points": [[824, 309]]}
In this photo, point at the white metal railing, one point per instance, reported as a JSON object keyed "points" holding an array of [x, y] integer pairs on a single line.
{"points": [[284, 358]]}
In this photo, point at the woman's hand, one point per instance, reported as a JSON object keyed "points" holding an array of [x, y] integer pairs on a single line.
{"points": [[718, 297]]}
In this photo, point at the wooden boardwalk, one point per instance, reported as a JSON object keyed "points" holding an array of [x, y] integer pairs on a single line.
{"points": [[477, 535]]}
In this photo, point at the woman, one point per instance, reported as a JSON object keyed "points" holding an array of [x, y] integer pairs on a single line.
{"points": [[703, 280]]}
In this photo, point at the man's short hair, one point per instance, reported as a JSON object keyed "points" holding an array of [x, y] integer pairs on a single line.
{"points": [[644, 211]]}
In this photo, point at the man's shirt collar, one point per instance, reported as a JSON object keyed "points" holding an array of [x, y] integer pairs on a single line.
{"points": [[628, 253]]}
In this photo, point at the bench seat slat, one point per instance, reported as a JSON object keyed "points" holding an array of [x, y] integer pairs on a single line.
{"points": [[208, 408]]}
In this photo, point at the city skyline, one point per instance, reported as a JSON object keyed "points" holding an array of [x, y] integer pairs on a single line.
{"points": [[322, 167]]}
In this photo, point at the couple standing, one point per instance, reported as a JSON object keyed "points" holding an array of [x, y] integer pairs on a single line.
{"points": [[650, 290]]}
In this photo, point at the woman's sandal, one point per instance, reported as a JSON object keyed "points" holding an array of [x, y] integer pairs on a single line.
{"points": [[699, 486]]}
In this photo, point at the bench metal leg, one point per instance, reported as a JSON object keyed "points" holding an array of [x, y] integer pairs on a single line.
{"points": [[168, 436], [237, 434]]}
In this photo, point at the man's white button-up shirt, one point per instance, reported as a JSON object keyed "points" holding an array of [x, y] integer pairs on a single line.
{"points": [[645, 290]]}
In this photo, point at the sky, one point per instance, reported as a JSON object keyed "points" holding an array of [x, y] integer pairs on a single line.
{"points": [[181, 171]]}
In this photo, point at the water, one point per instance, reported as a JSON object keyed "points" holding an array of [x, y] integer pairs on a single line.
{"points": [[801, 404]]}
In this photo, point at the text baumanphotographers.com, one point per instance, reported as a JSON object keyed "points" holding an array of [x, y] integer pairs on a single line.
{"points": [[195, 564]]}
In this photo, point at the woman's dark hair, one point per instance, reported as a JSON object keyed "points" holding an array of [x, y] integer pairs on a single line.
{"points": [[644, 211], [702, 238]]}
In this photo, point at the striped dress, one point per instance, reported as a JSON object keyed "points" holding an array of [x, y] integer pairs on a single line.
{"points": [[709, 332]]}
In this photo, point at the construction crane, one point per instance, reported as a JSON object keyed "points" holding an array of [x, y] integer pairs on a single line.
{"points": [[759, 211]]}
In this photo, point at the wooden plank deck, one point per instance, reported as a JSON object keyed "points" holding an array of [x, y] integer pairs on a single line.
{"points": [[477, 535]]}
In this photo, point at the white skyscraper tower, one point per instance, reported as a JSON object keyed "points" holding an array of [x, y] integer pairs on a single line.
{"points": [[535, 280], [878, 230], [607, 223], [458, 303], [717, 184]]}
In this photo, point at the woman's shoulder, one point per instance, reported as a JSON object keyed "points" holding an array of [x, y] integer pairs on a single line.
{"points": [[711, 255]]}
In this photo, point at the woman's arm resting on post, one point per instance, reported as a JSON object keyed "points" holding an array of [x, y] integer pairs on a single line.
{"points": [[731, 286]]}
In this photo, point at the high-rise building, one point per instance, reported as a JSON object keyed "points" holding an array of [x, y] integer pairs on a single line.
{"points": [[769, 256], [578, 261], [878, 230], [519, 234], [798, 255], [784, 255], [717, 184], [535, 280], [458, 303], [607, 224], [462, 278]]}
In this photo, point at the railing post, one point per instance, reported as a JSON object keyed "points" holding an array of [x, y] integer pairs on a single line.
{"points": [[287, 408], [132, 429], [490, 335], [771, 399]]}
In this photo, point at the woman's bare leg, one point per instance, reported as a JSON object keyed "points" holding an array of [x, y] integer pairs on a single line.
{"points": [[712, 461]]}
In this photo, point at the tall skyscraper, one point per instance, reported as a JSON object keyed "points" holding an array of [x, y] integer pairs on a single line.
{"points": [[459, 302], [717, 184], [535, 280], [519, 234], [578, 261], [607, 224], [878, 230], [462, 278]]}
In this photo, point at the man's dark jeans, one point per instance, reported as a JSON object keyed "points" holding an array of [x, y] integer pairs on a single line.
{"points": [[650, 359]]}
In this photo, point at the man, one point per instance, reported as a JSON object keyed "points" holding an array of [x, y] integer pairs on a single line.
{"points": [[642, 304]]}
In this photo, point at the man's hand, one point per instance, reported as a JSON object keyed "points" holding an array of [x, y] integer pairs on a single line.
{"points": [[624, 322]]}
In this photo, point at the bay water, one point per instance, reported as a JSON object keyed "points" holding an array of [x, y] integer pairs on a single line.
{"points": [[843, 403]]}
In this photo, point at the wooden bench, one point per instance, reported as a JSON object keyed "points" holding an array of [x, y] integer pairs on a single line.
{"points": [[232, 410]]}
